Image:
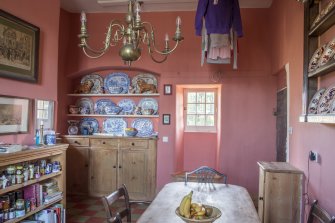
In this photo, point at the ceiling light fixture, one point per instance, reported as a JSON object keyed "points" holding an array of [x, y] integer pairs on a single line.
{"points": [[133, 33]]}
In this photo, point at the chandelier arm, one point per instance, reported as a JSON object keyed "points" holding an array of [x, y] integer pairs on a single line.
{"points": [[92, 56], [155, 60]]}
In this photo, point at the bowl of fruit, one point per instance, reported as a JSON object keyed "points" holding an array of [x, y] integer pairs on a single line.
{"points": [[196, 212], [131, 132]]}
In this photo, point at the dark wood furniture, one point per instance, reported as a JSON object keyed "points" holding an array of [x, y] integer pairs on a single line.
{"points": [[205, 174], [317, 213]]}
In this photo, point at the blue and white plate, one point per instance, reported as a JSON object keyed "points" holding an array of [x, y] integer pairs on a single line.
{"points": [[144, 127], [98, 83], [115, 126], [117, 83], [103, 106], [149, 103], [88, 126], [128, 106], [85, 106], [147, 78]]}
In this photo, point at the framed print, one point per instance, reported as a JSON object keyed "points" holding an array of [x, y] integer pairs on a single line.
{"points": [[166, 119], [14, 115], [19, 45], [167, 89]]}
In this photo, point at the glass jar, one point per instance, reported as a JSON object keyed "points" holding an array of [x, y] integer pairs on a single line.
{"points": [[11, 170], [19, 174], [31, 171], [20, 209]]}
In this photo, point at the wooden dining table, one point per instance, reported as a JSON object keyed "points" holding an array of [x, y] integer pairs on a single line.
{"points": [[233, 201]]}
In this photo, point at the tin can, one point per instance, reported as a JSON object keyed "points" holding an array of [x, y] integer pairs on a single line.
{"points": [[11, 213], [27, 205], [32, 204]]}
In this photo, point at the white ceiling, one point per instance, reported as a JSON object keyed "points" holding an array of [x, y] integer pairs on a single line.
{"points": [[148, 6]]}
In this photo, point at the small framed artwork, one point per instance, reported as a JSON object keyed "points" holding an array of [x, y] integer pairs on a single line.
{"points": [[14, 115], [19, 46], [166, 119], [167, 89]]}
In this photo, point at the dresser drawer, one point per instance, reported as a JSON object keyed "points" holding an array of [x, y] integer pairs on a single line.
{"points": [[104, 142], [77, 141], [132, 143]]}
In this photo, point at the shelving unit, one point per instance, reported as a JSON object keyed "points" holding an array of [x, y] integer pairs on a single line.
{"points": [[311, 43], [114, 116], [113, 95], [52, 153]]}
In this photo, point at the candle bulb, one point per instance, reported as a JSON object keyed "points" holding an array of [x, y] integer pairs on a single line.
{"points": [[138, 7], [178, 21], [167, 37], [83, 17], [41, 122]]}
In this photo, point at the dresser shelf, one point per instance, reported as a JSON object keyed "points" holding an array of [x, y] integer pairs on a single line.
{"points": [[324, 24], [329, 67], [114, 95], [114, 116]]}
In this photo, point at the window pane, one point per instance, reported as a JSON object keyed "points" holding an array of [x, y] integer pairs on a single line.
{"points": [[190, 120], [46, 104], [210, 109], [191, 109], [40, 104], [209, 97], [201, 97], [45, 114], [200, 108], [40, 114], [210, 120], [200, 120], [191, 97]]}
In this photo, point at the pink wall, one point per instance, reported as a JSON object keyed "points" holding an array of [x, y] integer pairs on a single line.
{"points": [[287, 37], [248, 94], [45, 15]]}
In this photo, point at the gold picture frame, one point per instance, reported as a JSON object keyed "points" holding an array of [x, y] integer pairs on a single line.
{"points": [[19, 46]]}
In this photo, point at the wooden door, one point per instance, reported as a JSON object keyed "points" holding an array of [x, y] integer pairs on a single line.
{"points": [[281, 125], [77, 160], [133, 172], [103, 170]]}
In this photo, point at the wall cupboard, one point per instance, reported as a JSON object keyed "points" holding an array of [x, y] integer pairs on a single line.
{"points": [[107, 162], [280, 193]]}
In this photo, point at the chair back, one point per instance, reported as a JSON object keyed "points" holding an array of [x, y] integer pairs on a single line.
{"points": [[111, 199], [319, 214], [205, 174]]}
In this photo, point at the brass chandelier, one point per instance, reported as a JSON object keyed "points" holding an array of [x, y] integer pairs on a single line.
{"points": [[132, 33]]}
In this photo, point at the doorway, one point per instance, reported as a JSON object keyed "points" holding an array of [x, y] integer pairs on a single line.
{"points": [[281, 126]]}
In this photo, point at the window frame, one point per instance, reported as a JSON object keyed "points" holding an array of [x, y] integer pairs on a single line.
{"points": [[201, 129]]}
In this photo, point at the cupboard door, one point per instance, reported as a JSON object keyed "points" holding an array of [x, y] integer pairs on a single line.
{"points": [[77, 160], [133, 172], [103, 171]]}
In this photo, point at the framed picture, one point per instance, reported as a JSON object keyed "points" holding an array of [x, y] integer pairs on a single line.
{"points": [[14, 115], [19, 46], [166, 119], [167, 89]]}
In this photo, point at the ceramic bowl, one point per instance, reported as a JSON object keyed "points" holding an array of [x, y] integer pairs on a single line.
{"points": [[215, 215], [147, 111], [131, 132]]}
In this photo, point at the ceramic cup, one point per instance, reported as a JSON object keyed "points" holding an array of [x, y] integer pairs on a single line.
{"points": [[73, 109]]}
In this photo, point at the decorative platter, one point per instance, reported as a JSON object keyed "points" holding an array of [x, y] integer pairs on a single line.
{"points": [[313, 105], [103, 106], [324, 105], [88, 126], [145, 78], [115, 126], [128, 106], [98, 83], [85, 106], [149, 103], [117, 83], [144, 127], [332, 107], [328, 53], [314, 62]]}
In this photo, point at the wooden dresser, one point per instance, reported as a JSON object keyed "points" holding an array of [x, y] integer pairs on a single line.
{"points": [[98, 165], [280, 193]]}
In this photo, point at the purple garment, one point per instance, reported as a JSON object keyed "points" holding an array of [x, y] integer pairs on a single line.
{"points": [[219, 17]]}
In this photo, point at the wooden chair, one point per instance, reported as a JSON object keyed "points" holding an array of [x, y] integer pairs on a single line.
{"points": [[319, 214], [205, 174], [110, 199]]}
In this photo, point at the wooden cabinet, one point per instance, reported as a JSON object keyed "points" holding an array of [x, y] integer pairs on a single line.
{"points": [[280, 193], [118, 160], [78, 162], [52, 153]]}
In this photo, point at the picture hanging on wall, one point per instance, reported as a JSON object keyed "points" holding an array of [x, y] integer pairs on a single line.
{"points": [[14, 115], [167, 89], [19, 46], [166, 119]]}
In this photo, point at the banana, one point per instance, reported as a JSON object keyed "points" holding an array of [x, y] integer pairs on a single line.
{"points": [[185, 205]]}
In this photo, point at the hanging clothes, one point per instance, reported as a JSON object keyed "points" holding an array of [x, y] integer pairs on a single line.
{"points": [[220, 17]]}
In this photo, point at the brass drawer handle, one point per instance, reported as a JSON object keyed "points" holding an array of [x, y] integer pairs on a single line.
{"points": [[114, 166], [76, 142], [260, 198], [120, 167], [104, 142], [133, 144]]}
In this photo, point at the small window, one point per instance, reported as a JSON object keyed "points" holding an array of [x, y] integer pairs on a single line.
{"points": [[44, 111], [200, 110]]}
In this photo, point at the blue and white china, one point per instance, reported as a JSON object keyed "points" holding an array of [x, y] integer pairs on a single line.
{"points": [[128, 106], [324, 105], [114, 126], [101, 106], [114, 110], [85, 105], [149, 103], [147, 78], [73, 129], [88, 126], [117, 83], [97, 83], [144, 127]]}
